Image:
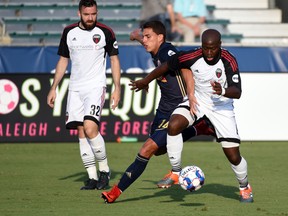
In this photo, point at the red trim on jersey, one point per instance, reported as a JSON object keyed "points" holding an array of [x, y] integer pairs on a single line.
{"points": [[107, 27], [72, 25], [189, 56], [226, 55]]}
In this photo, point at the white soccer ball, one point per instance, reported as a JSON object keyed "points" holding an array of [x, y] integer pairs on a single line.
{"points": [[191, 178], [9, 96]]}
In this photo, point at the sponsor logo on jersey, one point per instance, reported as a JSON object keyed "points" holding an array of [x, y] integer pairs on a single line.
{"points": [[96, 38], [218, 72], [235, 78], [171, 52], [115, 45]]}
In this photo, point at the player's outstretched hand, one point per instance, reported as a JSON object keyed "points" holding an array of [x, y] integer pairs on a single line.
{"points": [[138, 85]]}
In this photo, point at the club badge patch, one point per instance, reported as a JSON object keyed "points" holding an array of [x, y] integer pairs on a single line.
{"points": [[218, 72], [96, 38], [162, 79]]}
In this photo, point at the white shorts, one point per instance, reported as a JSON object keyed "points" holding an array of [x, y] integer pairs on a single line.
{"points": [[223, 121], [84, 105]]}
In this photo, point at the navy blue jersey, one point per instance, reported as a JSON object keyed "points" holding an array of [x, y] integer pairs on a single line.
{"points": [[172, 89], [171, 85]]}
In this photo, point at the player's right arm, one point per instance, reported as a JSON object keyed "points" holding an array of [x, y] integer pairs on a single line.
{"points": [[143, 83], [136, 35], [59, 73], [190, 88]]}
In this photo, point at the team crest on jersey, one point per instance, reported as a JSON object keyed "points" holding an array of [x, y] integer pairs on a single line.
{"points": [[162, 79], [96, 38], [218, 72]]}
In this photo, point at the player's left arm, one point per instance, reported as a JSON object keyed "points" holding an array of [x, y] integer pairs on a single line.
{"points": [[229, 92], [116, 75], [233, 87]]}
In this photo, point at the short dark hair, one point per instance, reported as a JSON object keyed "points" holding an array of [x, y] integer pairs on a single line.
{"points": [[157, 27], [87, 3]]}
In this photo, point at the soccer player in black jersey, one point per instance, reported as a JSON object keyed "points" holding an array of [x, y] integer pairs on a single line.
{"points": [[173, 91]]}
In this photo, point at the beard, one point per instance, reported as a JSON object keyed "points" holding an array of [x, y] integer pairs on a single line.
{"points": [[88, 26]]}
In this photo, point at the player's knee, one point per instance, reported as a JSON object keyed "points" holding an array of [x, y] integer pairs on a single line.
{"points": [[172, 128], [90, 132], [234, 159], [233, 154], [177, 125]]}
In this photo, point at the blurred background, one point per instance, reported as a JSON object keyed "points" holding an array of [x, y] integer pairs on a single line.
{"points": [[258, 22]]}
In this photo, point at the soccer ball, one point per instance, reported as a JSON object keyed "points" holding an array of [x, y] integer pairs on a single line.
{"points": [[9, 96], [191, 178]]}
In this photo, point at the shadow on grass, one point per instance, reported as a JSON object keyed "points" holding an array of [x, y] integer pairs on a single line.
{"points": [[80, 177], [83, 176], [177, 194]]}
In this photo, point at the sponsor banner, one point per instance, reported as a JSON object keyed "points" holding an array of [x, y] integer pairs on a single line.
{"points": [[26, 117], [261, 112]]}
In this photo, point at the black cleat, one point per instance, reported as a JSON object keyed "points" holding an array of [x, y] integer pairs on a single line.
{"points": [[103, 181], [90, 184]]}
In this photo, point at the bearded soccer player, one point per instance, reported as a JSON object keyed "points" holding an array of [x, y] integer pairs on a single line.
{"points": [[87, 44]]}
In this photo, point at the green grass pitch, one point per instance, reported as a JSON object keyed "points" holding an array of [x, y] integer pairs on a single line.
{"points": [[45, 179]]}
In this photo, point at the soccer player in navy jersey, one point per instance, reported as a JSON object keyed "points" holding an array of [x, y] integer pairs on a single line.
{"points": [[87, 44], [211, 92], [173, 91]]}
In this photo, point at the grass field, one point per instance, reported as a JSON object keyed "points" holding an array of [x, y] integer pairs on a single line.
{"points": [[44, 179]]}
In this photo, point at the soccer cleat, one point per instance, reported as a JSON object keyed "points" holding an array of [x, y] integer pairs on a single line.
{"points": [[103, 181], [112, 195], [169, 179], [90, 184], [205, 127], [246, 195]]}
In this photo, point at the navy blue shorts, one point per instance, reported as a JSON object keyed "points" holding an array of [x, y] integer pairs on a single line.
{"points": [[158, 132]]}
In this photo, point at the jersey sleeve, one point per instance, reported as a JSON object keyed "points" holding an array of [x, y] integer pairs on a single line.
{"points": [[111, 42], [182, 60], [167, 53], [63, 49], [231, 69], [173, 62]]}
